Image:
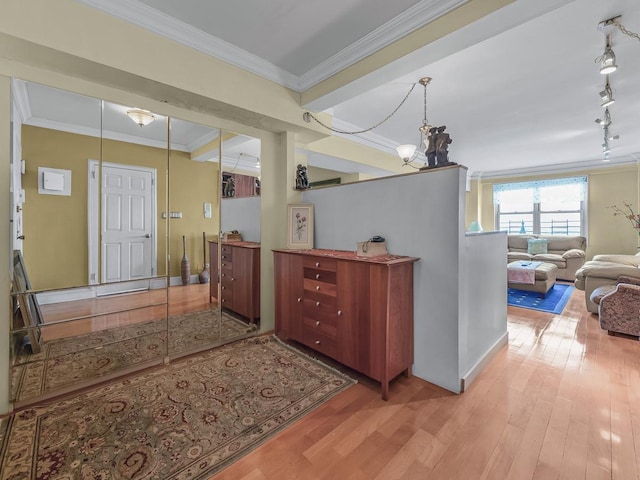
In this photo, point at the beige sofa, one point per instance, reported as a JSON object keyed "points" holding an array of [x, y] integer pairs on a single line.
{"points": [[565, 252], [605, 270]]}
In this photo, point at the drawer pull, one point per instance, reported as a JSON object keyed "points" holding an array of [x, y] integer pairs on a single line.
{"points": [[233, 279], [224, 288], [317, 264], [317, 304], [318, 323], [224, 274], [317, 287], [299, 300], [317, 342], [339, 312], [223, 256], [317, 276]]}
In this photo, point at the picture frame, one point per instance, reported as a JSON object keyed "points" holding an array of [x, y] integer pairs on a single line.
{"points": [[27, 309], [300, 226]]}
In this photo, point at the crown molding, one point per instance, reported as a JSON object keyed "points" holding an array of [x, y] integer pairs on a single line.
{"points": [[96, 132], [553, 169], [166, 26], [169, 27], [411, 19]]}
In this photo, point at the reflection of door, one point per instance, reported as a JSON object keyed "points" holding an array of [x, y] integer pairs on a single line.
{"points": [[123, 211], [127, 223]]}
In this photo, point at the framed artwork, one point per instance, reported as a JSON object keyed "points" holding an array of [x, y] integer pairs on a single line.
{"points": [[300, 225], [28, 310]]}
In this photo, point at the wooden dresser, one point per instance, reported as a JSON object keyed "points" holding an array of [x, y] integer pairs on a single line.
{"points": [[239, 275], [356, 310]]}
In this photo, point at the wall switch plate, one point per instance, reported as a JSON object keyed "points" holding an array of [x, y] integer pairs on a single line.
{"points": [[176, 215], [207, 210]]}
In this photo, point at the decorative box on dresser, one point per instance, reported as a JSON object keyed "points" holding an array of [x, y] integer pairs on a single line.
{"points": [[356, 310], [239, 275]]}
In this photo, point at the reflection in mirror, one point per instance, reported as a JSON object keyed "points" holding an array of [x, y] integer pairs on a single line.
{"points": [[239, 267], [75, 181]]}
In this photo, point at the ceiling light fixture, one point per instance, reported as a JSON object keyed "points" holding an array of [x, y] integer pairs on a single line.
{"points": [[606, 95], [141, 117], [606, 121], [607, 59], [407, 152]]}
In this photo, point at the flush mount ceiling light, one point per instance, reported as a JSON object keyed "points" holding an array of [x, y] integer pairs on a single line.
{"points": [[606, 95], [141, 117]]}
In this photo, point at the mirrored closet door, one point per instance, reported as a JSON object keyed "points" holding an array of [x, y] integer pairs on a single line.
{"points": [[121, 240]]}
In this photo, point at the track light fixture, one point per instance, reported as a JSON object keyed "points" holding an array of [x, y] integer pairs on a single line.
{"points": [[606, 95], [607, 59], [606, 121]]}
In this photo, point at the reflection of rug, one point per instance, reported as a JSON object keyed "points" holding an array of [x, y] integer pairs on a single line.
{"points": [[186, 420], [66, 361], [554, 302]]}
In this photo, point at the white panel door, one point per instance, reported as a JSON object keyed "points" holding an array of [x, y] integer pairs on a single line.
{"points": [[127, 224]]}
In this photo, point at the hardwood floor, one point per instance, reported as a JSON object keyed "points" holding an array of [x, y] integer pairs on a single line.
{"points": [[561, 401]]}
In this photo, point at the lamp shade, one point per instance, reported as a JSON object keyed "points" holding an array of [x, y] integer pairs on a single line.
{"points": [[141, 117], [406, 151]]}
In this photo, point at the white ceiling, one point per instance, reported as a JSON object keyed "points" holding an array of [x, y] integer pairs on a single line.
{"points": [[517, 90]]}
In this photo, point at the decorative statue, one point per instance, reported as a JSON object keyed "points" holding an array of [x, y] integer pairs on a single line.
{"points": [[302, 182], [442, 143], [229, 189], [430, 152]]}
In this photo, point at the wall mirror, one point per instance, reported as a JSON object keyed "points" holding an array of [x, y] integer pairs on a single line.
{"points": [[236, 273], [119, 238]]}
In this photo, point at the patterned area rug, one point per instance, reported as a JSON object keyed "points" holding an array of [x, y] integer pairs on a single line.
{"points": [[64, 362], [186, 420], [554, 302]]}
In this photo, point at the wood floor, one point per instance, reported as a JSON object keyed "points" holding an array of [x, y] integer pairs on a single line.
{"points": [[562, 401]]}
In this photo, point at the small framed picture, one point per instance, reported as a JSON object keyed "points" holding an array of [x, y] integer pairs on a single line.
{"points": [[300, 225]]}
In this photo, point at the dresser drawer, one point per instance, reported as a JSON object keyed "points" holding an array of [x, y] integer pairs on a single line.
{"points": [[226, 298], [319, 287], [321, 263], [326, 276], [226, 250], [315, 339], [226, 266], [316, 321]]}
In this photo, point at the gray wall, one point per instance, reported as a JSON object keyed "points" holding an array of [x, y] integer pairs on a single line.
{"points": [[242, 214], [419, 215]]}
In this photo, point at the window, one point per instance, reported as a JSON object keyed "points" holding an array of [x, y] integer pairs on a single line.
{"points": [[547, 207]]}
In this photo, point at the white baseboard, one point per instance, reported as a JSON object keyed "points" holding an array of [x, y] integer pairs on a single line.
{"points": [[93, 291], [474, 371]]}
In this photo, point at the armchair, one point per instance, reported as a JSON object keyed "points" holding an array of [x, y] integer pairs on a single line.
{"points": [[619, 306]]}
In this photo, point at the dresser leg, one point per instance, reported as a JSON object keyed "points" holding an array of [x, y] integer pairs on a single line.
{"points": [[385, 391], [407, 373]]}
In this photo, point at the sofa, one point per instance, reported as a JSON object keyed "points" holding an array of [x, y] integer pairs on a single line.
{"points": [[565, 252], [605, 270], [618, 306]]}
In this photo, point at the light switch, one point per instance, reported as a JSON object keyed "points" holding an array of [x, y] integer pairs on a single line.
{"points": [[207, 210]]}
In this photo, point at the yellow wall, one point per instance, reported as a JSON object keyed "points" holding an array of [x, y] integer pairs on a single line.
{"points": [[55, 227], [606, 187], [190, 185], [318, 174]]}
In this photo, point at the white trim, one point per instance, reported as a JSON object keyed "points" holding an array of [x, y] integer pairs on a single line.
{"points": [[169, 27], [157, 22], [474, 371], [411, 19], [93, 196], [21, 99], [203, 140], [68, 295], [106, 134]]}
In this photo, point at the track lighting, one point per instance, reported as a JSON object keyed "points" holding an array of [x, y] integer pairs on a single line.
{"points": [[606, 95], [607, 59], [606, 121]]}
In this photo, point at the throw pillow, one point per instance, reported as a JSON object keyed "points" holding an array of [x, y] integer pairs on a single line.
{"points": [[536, 246]]}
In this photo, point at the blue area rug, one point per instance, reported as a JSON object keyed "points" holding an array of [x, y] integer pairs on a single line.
{"points": [[554, 302]]}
